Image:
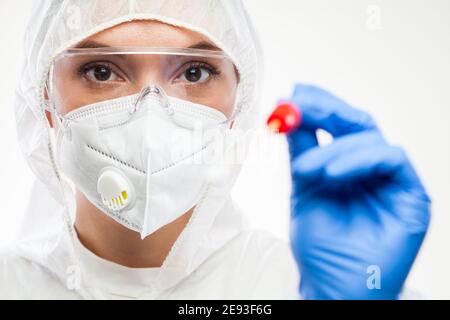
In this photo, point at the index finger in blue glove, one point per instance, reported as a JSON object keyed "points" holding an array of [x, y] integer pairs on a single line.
{"points": [[301, 141], [314, 161]]}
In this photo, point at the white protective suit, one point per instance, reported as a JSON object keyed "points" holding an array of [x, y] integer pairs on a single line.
{"points": [[216, 256]]}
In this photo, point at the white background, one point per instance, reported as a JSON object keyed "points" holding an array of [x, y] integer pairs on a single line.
{"points": [[395, 64]]}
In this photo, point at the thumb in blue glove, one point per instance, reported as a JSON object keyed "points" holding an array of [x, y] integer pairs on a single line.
{"points": [[357, 204]]}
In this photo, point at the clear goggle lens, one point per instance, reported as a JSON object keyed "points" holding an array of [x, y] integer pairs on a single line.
{"points": [[83, 77]]}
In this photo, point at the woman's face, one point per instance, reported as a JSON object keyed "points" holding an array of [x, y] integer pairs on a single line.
{"points": [[87, 79]]}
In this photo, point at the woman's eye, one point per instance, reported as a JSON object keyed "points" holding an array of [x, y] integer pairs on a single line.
{"points": [[101, 74], [196, 74]]}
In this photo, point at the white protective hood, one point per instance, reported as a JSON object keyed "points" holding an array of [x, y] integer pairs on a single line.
{"points": [[57, 24]]}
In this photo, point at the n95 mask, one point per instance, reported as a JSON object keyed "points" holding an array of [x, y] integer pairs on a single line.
{"points": [[142, 159]]}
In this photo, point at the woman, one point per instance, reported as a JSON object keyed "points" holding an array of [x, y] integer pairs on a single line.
{"points": [[127, 111]]}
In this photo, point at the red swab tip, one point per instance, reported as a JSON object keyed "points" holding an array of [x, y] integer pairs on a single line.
{"points": [[285, 118]]}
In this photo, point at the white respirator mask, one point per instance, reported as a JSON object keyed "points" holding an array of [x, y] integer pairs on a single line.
{"points": [[143, 159]]}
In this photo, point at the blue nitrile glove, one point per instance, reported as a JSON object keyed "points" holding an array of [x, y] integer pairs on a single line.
{"points": [[359, 210]]}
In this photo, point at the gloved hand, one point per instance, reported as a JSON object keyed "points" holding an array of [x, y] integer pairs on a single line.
{"points": [[359, 211]]}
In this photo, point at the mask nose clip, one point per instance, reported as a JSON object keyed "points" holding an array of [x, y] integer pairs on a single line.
{"points": [[155, 91]]}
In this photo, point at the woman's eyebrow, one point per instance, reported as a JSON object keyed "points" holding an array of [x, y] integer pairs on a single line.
{"points": [[90, 45], [204, 45]]}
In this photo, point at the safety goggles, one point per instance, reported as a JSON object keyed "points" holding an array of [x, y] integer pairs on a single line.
{"points": [[81, 77]]}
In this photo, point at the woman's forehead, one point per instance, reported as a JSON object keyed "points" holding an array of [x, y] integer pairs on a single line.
{"points": [[148, 33]]}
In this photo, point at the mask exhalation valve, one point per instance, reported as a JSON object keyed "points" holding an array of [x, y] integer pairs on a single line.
{"points": [[116, 191]]}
